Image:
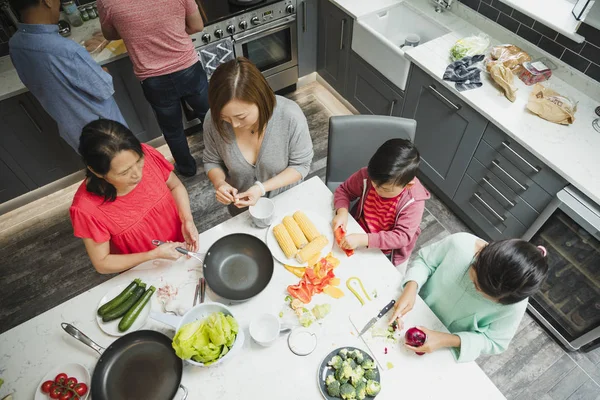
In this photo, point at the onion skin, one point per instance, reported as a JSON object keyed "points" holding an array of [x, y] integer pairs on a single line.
{"points": [[416, 338]]}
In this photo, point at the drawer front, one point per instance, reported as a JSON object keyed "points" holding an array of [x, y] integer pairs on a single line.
{"points": [[505, 196], [522, 159], [486, 212], [512, 177]]}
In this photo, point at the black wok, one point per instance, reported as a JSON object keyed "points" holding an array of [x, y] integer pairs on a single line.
{"points": [[141, 365], [237, 267]]}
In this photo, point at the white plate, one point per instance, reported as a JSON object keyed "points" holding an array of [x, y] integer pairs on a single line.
{"points": [[74, 370], [112, 327], [322, 225]]}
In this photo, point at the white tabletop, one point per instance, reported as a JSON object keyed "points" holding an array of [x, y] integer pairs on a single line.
{"points": [[29, 350]]}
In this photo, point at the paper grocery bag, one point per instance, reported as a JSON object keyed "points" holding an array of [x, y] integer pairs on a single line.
{"points": [[551, 106]]}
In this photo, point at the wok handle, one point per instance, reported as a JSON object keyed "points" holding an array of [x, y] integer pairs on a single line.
{"points": [[185, 391], [82, 337]]}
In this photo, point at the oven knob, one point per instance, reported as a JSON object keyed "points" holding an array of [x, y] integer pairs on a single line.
{"points": [[243, 25], [206, 38], [290, 9], [219, 33], [231, 29], [254, 21]]}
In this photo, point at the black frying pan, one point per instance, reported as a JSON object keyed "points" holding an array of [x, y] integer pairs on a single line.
{"points": [[141, 365], [238, 266]]}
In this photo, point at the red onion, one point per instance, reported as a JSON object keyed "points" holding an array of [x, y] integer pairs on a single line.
{"points": [[416, 338]]}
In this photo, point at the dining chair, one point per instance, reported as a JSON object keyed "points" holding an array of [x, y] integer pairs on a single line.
{"points": [[353, 139]]}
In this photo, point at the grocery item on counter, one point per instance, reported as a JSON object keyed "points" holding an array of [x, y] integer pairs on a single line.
{"points": [[536, 71], [312, 249], [503, 76], [469, 46], [285, 241], [308, 228], [96, 43], [72, 12], [551, 106], [465, 73], [509, 55], [295, 232]]}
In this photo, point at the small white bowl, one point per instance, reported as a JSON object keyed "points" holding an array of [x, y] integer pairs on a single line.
{"points": [[263, 212], [75, 370], [265, 329]]}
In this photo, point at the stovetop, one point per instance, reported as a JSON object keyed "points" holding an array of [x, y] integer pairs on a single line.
{"points": [[219, 10]]}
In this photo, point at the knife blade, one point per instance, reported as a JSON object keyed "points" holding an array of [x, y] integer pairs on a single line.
{"points": [[374, 320]]}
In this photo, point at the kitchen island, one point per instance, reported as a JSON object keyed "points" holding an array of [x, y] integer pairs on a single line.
{"points": [[32, 348]]}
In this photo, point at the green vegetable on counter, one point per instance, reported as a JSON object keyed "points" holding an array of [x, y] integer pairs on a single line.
{"points": [[320, 311], [354, 376], [124, 295], [373, 388], [347, 391], [123, 307], [333, 388], [135, 311], [335, 362]]}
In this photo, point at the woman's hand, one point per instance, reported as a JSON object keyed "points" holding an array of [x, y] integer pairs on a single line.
{"points": [[249, 197], [226, 194], [340, 219], [405, 302], [190, 234], [354, 240], [167, 251], [435, 341]]}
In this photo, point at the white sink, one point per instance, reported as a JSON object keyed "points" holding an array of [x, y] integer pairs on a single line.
{"points": [[377, 38]]}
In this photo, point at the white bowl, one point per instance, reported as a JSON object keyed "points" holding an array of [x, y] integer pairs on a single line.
{"points": [[265, 329], [263, 212], [75, 370]]}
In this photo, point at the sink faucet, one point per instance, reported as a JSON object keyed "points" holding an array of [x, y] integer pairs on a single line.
{"points": [[441, 5]]}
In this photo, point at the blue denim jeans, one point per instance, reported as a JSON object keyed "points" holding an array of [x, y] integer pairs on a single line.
{"points": [[164, 93]]}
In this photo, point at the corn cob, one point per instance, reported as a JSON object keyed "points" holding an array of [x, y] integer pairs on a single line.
{"points": [[295, 232], [285, 241], [311, 249], [308, 228]]}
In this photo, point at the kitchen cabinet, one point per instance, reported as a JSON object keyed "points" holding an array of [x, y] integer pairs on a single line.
{"points": [[370, 92], [448, 130], [11, 185], [333, 51], [307, 36]]}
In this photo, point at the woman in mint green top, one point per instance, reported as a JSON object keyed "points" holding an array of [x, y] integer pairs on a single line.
{"points": [[478, 290]]}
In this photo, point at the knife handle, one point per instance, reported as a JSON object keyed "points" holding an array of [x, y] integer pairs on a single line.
{"points": [[386, 309]]}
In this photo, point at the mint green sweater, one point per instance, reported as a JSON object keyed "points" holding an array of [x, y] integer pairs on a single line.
{"points": [[442, 272]]}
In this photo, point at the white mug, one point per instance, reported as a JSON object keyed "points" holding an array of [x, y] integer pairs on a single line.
{"points": [[263, 212]]}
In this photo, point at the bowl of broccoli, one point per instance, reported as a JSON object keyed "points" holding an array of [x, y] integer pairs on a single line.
{"points": [[349, 373]]}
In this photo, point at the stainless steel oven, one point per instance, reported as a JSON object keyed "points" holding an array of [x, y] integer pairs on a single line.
{"points": [[273, 48], [569, 301]]}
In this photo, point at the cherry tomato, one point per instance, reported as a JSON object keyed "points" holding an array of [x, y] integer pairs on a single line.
{"points": [[55, 392], [66, 396], [71, 382], [46, 386], [61, 378], [81, 388]]}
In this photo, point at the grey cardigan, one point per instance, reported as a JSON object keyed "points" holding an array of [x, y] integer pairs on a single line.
{"points": [[287, 143]]}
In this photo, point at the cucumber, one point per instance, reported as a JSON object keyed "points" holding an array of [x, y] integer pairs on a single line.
{"points": [[112, 304], [122, 308], [135, 311]]}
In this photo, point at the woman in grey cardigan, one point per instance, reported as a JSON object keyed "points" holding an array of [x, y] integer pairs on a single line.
{"points": [[256, 144]]}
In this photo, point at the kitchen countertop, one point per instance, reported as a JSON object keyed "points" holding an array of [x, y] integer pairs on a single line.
{"points": [[32, 348]]}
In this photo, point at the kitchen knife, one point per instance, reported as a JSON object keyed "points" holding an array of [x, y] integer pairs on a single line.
{"points": [[374, 320]]}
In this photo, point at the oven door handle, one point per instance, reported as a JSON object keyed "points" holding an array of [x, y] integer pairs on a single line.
{"points": [[271, 28]]}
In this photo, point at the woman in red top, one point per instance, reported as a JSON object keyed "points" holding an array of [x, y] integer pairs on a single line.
{"points": [[129, 197]]}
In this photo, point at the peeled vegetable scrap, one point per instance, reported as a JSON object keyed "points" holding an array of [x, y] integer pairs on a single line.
{"points": [[551, 106]]}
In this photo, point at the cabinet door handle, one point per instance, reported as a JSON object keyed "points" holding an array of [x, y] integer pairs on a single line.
{"points": [[392, 107], [30, 117], [342, 34], [500, 217], [304, 16], [486, 180], [444, 98], [497, 165], [520, 157]]}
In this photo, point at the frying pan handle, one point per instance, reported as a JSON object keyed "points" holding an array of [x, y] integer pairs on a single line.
{"points": [[77, 334], [185, 391]]}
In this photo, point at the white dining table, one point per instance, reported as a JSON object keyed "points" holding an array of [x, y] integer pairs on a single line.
{"points": [[30, 350]]}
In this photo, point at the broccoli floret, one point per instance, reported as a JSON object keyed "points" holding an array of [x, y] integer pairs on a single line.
{"points": [[368, 364], [343, 353], [357, 375], [330, 378], [370, 374], [373, 388], [361, 391], [347, 370], [350, 362], [335, 362], [340, 377], [359, 357], [347, 391], [333, 388]]}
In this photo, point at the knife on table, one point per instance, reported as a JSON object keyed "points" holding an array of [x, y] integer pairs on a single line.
{"points": [[374, 320]]}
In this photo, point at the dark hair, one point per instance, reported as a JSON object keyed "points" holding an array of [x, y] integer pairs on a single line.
{"points": [[100, 141], [21, 5], [239, 79], [510, 270], [395, 162]]}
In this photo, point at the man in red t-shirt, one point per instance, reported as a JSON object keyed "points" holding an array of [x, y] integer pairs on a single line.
{"points": [[156, 34]]}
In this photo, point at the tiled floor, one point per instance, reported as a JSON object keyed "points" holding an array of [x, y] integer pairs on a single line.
{"points": [[42, 265]]}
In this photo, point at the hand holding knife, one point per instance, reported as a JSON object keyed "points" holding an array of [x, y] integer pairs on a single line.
{"points": [[374, 320]]}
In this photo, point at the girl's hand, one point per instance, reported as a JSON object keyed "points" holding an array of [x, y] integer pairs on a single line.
{"points": [[405, 302], [190, 234], [167, 251], [354, 240], [226, 194], [435, 340], [249, 197], [340, 219]]}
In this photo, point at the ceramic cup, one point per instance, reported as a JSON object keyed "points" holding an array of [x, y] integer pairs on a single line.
{"points": [[412, 40], [263, 212], [265, 329]]}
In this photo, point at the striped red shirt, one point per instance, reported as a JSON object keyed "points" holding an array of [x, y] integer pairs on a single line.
{"points": [[379, 213]]}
